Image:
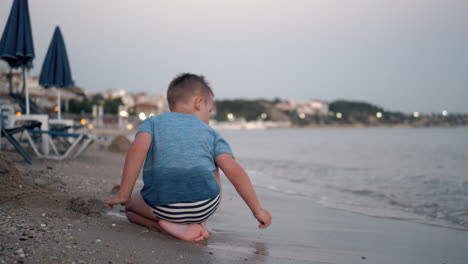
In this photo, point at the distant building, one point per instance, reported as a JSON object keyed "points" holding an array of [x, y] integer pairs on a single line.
{"points": [[161, 102], [44, 98], [16, 81], [147, 108], [141, 102], [111, 94], [311, 107], [47, 98], [318, 107]]}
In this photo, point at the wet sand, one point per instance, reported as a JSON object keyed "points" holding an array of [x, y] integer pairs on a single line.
{"points": [[57, 216]]}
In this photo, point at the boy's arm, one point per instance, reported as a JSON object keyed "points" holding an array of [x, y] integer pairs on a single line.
{"points": [[135, 157], [241, 181]]}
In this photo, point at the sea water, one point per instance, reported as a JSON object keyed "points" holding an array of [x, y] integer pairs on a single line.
{"points": [[417, 174]]}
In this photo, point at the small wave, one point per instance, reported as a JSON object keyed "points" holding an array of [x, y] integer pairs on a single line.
{"points": [[431, 212], [273, 188], [323, 200], [278, 190], [383, 207], [368, 193], [291, 192], [400, 204], [299, 180]]}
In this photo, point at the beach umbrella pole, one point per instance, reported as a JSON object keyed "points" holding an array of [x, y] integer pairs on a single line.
{"points": [[10, 80], [25, 76], [59, 105]]}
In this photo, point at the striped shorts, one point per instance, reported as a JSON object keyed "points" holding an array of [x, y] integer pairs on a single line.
{"points": [[187, 213]]}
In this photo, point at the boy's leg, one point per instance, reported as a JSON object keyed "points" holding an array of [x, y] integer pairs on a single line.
{"points": [[195, 232], [139, 212]]}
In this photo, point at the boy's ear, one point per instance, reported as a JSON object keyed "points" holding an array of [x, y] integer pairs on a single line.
{"points": [[198, 102]]}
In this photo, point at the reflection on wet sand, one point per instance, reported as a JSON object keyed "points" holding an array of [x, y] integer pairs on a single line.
{"points": [[253, 252]]}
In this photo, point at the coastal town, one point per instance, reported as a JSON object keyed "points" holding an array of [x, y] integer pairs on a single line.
{"points": [[119, 108]]}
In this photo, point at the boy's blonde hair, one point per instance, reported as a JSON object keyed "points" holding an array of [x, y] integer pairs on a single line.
{"points": [[186, 85]]}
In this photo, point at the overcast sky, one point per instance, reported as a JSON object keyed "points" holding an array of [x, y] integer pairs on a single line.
{"points": [[408, 55]]}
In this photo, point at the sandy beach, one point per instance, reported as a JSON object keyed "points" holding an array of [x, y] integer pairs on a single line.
{"points": [[349, 117], [53, 212]]}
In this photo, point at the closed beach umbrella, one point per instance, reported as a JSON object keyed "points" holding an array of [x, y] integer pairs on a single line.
{"points": [[56, 71], [16, 45]]}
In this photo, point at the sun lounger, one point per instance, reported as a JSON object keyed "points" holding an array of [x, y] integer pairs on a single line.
{"points": [[62, 147], [8, 134], [63, 144], [13, 120]]}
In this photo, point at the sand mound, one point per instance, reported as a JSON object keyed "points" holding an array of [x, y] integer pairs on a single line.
{"points": [[36, 186], [120, 144], [12, 182], [9, 174], [86, 206]]}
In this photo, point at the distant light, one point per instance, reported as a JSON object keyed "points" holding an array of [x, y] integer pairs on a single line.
{"points": [[230, 116], [129, 126], [123, 113], [83, 121], [90, 126], [416, 114], [19, 114], [151, 114], [339, 115], [302, 116], [444, 113], [142, 116], [56, 109], [263, 116], [379, 115]]}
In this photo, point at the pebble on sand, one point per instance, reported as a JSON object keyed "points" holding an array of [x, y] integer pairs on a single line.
{"points": [[20, 253]]}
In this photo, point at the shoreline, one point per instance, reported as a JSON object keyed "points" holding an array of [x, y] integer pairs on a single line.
{"points": [[379, 126], [112, 132], [418, 219], [261, 125], [62, 221]]}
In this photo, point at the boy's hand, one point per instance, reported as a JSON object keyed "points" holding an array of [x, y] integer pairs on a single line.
{"points": [[263, 217], [116, 199]]}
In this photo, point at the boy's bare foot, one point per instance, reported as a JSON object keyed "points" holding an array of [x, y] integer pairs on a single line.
{"points": [[190, 232]]}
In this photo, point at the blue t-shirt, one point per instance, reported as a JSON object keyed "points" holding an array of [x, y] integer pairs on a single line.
{"points": [[180, 163]]}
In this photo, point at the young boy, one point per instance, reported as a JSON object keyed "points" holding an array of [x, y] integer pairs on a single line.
{"points": [[181, 178]]}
